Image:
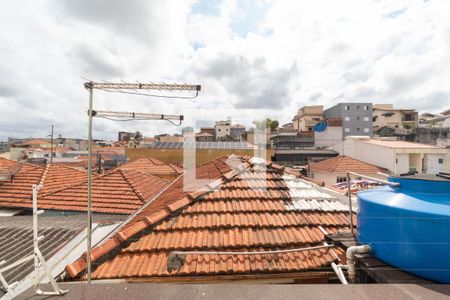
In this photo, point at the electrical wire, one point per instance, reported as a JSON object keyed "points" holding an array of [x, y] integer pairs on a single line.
{"points": [[150, 95], [133, 119]]}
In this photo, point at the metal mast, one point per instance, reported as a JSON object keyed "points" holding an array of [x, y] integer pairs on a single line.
{"points": [[128, 88]]}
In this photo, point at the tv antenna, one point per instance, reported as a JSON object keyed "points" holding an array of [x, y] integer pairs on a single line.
{"points": [[140, 89]]}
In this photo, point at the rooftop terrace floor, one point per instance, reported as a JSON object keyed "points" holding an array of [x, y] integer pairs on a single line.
{"points": [[247, 291]]}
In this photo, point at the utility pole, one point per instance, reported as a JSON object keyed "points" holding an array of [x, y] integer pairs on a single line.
{"points": [[129, 88], [51, 147]]}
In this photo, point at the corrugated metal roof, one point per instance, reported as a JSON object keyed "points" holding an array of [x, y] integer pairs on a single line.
{"points": [[16, 239]]}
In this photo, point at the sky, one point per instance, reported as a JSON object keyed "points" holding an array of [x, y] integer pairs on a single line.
{"points": [[253, 59]]}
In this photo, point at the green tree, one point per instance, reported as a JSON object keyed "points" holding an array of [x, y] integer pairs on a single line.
{"points": [[268, 123], [138, 136]]}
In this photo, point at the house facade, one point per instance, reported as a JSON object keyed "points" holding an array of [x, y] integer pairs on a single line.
{"points": [[385, 115], [307, 117]]}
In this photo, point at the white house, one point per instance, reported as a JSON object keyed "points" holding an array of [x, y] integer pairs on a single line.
{"points": [[397, 156]]}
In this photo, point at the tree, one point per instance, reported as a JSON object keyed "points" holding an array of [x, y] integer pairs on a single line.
{"points": [[268, 123], [138, 136]]}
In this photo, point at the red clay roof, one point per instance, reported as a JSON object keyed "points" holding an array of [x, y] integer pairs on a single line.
{"points": [[227, 215], [17, 191], [117, 192], [7, 165], [154, 167], [344, 163]]}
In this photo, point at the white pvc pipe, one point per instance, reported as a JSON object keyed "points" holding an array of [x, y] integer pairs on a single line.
{"points": [[350, 253], [338, 270]]}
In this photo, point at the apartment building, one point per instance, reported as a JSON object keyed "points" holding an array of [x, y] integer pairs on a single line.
{"points": [[356, 118], [307, 117]]}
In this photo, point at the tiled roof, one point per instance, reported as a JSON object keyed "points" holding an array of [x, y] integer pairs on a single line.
{"points": [[16, 192], [117, 192], [154, 167], [232, 213], [344, 163], [7, 164]]}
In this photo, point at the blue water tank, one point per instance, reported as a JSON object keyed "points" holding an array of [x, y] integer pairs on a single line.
{"points": [[408, 226]]}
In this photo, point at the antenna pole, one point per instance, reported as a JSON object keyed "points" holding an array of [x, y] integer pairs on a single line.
{"points": [[90, 86], [51, 147], [89, 202]]}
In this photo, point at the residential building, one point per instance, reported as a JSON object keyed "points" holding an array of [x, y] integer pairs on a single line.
{"points": [[398, 157], [292, 140], [4, 147], [356, 118], [124, 136], [209, 130], [439, 136], [173, 152], [385, 115], [232, 211], [222, 129], [334, 170], [236, 132], [307, 117], [328, 133], [204, 137]]}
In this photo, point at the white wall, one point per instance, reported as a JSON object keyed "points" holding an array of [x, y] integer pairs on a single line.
{"points": [[369, 153], [402, 165], [432, 165], [328, 138]]}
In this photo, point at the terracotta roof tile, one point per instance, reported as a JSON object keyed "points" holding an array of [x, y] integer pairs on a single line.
{"points": [[65, 188], [344, 163], [16, 192], [154, 167], [233, 217], [117, 192]]}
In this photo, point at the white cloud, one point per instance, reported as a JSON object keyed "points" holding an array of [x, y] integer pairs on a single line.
{"points": [[288, 54]]}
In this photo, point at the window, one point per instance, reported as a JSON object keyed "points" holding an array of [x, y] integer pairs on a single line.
{"points": [[219, 129], [358, 129], [366, 129], [366, 107], [357, 106], [347, 107], [366, 119], [440, 161], [347, 129], [396, 160], [347, 118], [357, 118], [341, 179]]}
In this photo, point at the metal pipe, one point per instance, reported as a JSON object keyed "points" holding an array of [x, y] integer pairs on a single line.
{"points": [[89, 195], [375, 179], [35, 234], [350, 207], [249, 252], [51, 147]]}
